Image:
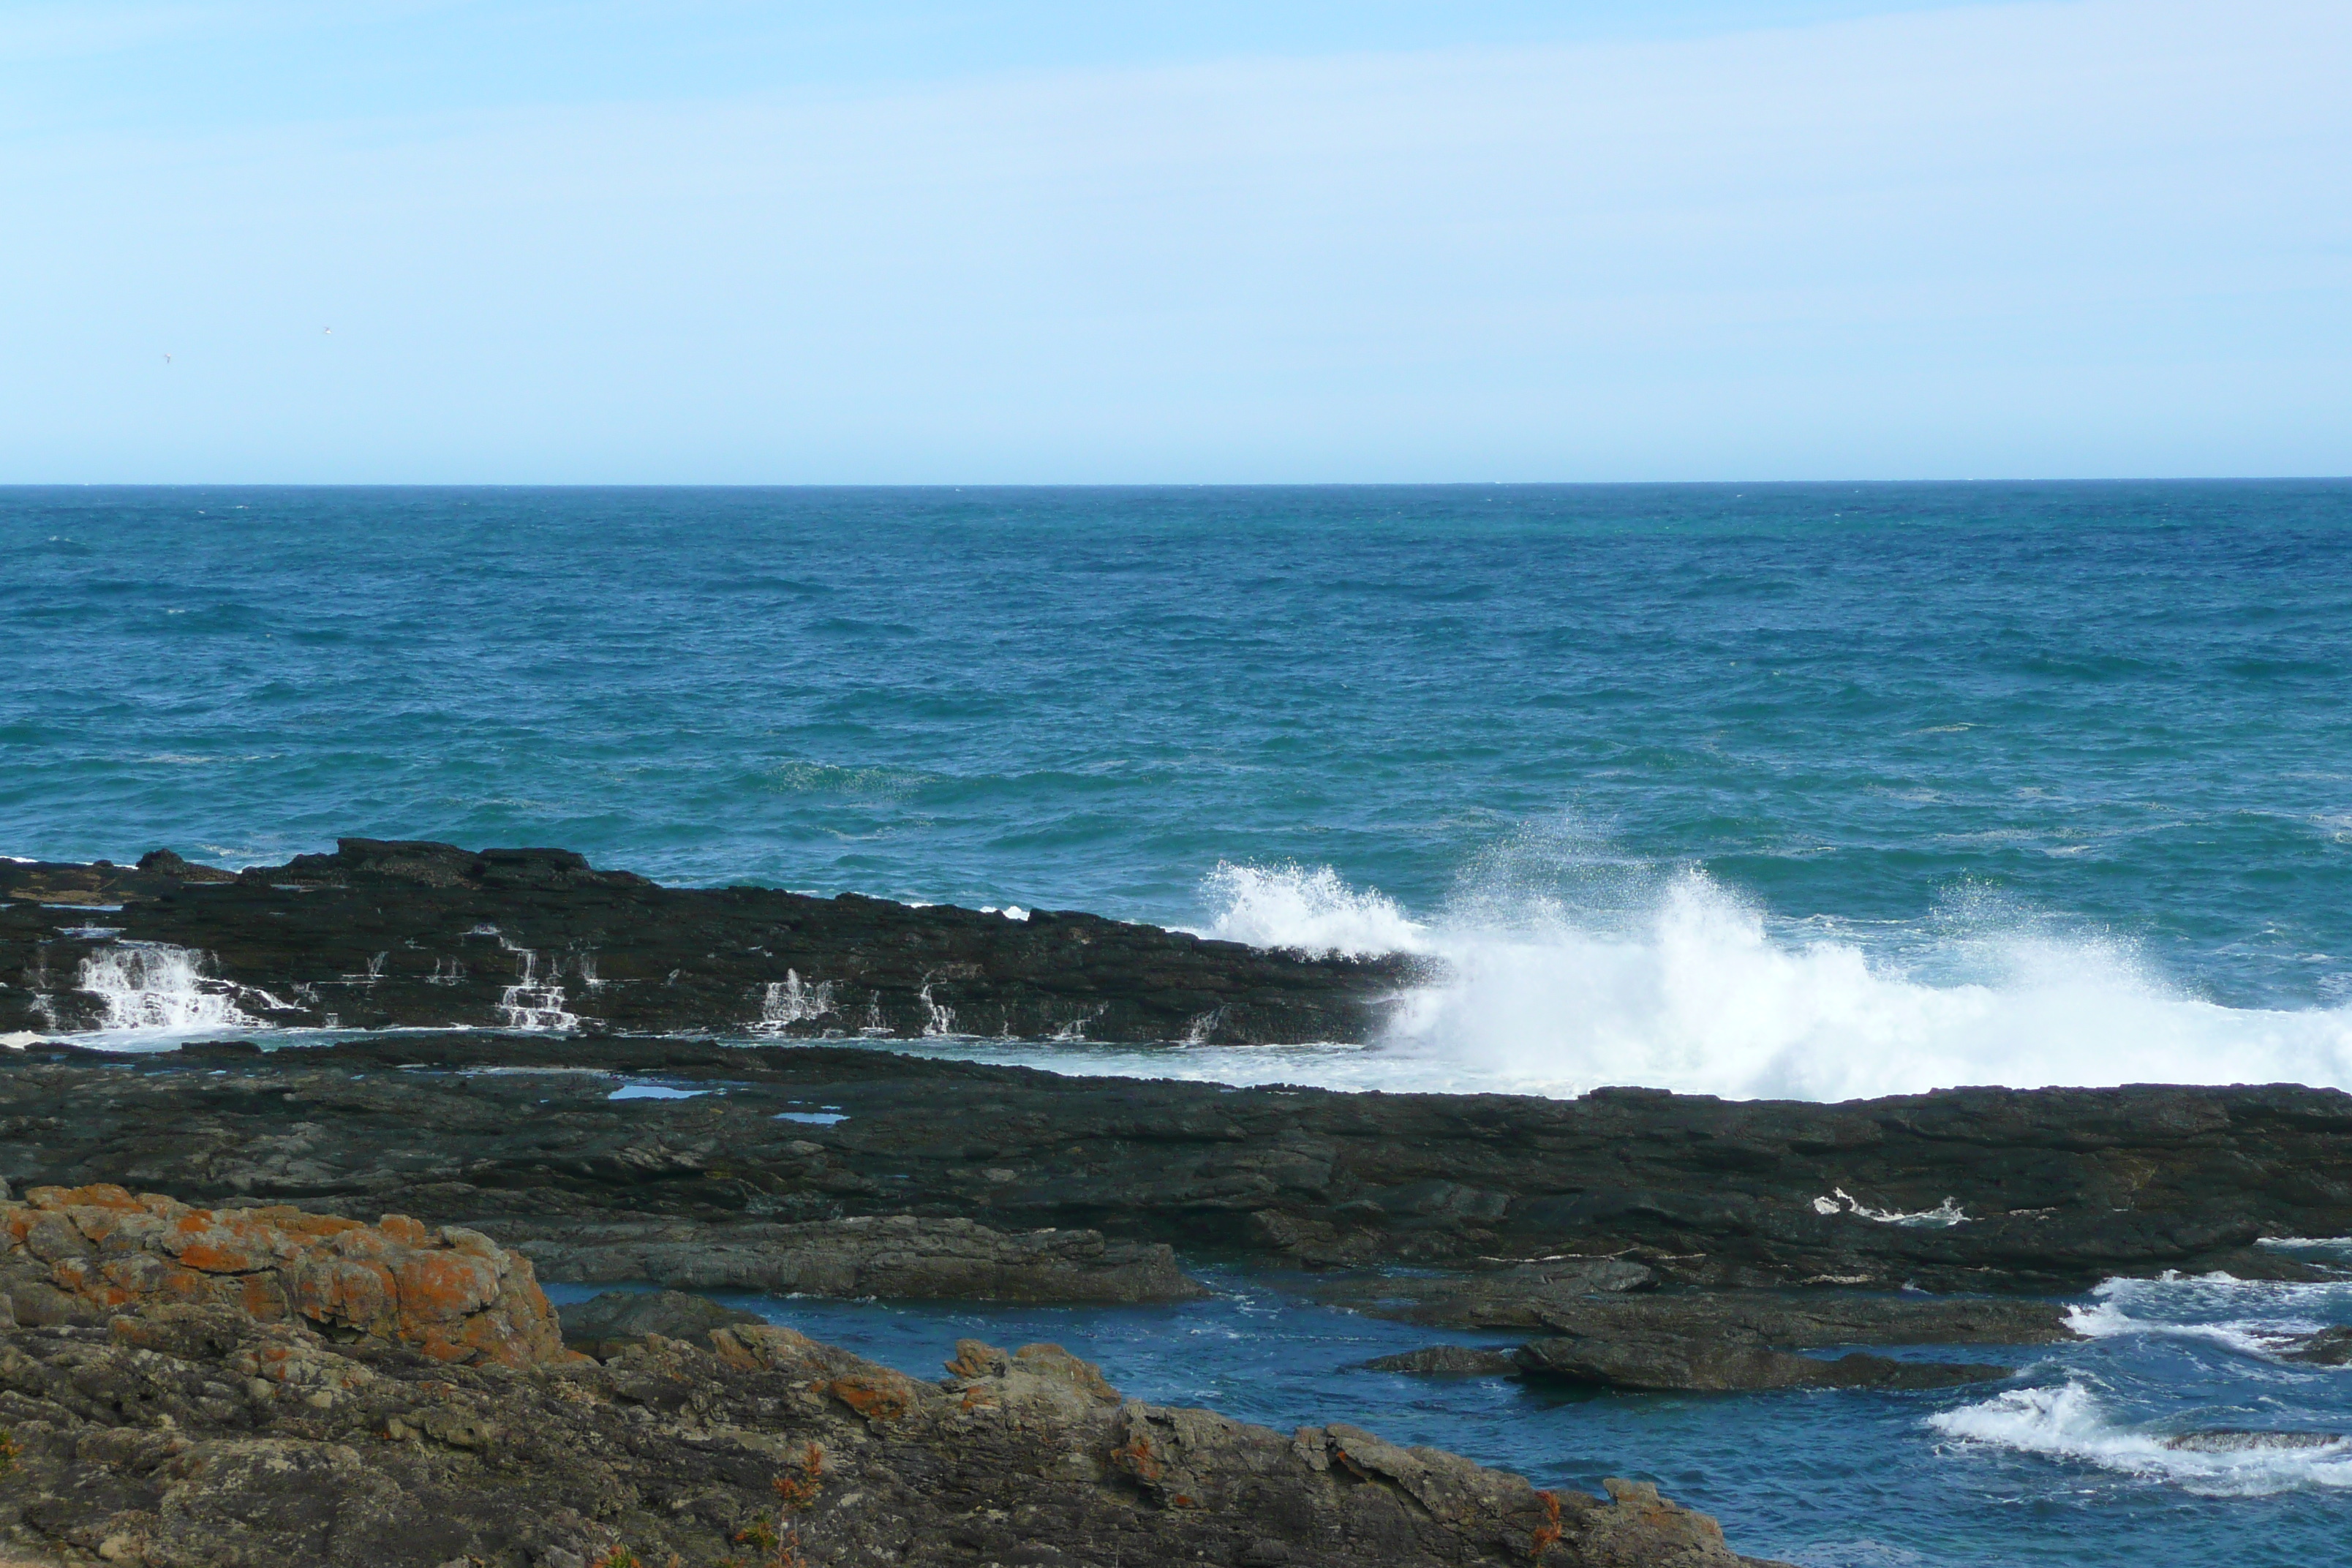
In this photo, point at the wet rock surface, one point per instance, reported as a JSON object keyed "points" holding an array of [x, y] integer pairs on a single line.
{"points": [[156, 1439], [897, 1257], [1727, 1362], [2329, 1347], [1449, 1361], [1621, 1190], [383, 933], [1802, 1319]]}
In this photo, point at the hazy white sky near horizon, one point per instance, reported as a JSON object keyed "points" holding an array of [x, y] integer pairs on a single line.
{"points": [[711, 241]]}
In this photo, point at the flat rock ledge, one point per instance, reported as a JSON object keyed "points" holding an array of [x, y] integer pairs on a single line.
{"points": [[1734, 1341], [1581, 1304], [898, 1257], [398, 932], [196, 1433], [1654, 1362]]}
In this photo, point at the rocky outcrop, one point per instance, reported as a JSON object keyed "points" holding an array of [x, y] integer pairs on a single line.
{"points": [[605, 1324], [1449, 1361], [1803, 1320], [899, 1258], [83, 1255], [2329, 1347], [382, 933], [2052, 1191], [196, 1436], [1709, 1341], [1656, 1363]]}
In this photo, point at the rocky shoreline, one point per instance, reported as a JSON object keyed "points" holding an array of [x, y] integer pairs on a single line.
{"points": [[383, 934], [164, 1413], [1636, 1241]]}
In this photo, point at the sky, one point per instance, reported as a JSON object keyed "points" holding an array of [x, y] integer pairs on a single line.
{"points": [[703, 241]]}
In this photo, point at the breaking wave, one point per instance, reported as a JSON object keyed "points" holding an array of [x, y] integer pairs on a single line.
{"points": [[2070, 1422], [1676, 982]]}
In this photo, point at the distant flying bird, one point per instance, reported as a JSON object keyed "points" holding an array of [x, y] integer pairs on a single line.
{"points": [[167, 359], [331, 332]]}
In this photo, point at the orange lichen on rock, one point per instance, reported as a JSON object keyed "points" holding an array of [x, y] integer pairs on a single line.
{"points": [[81, 1252]]}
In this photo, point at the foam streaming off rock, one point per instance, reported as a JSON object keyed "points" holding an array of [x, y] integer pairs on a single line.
{"points": [[2070, 1422], [1687, 989], [155, 987], [532, 1003], [792, 1001]]}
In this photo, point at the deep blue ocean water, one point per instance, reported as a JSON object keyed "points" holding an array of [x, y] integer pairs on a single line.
{"points": [[1815, 790]]}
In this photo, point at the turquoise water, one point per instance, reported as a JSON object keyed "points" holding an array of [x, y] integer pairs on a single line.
{"points": [[1817, 790], [1814, 790]]}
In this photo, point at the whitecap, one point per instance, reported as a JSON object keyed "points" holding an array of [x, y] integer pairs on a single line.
{"points": [[2070, 1422]]}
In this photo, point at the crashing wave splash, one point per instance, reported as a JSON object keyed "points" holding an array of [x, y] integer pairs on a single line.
{"points": [[2070, 1422], [1686, 987], [153, 986]]}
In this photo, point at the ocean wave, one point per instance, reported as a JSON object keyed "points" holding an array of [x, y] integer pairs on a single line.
{"points": [[1678, 983], [2250, 1317], [2070, 1422]]}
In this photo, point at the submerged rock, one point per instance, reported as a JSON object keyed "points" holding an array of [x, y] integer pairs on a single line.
{"points": [[1807, 1319], [2329, 1347], [167, 1437], [2245, 1440], [1449, 1361], [1729, 1363]]}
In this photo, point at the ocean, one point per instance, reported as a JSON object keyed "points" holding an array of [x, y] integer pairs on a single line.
{"points": [[1813, 790]]}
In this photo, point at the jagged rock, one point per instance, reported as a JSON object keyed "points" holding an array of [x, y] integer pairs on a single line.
{"points": [[199, 1436], [82, 1255], [2244, 1440], [1449, 1361], [2329, 1347], [1659, 1362], [602, 1326], [419, 933], [897, 1257]]}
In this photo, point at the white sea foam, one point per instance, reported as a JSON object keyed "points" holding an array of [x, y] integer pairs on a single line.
{"points": [[2252, 1317], [1676, 983], [2070, 1422], [1309, 909], [154, 988]]}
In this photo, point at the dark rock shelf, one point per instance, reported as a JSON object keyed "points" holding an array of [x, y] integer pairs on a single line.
{"points": [[380, 934], [1544, 1204]]}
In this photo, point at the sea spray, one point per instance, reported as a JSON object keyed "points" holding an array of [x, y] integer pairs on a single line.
{"points": [[154, 987], [1690, 989]]}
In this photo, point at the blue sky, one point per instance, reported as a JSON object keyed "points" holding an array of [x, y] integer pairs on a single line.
{"points": [[713, 241]]}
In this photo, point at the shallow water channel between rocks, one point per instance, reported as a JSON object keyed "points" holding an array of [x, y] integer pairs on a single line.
{"points": [[2061, 1464]]}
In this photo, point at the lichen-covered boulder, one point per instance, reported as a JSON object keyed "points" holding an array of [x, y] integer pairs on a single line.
{"points": [[84, 1254]]}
